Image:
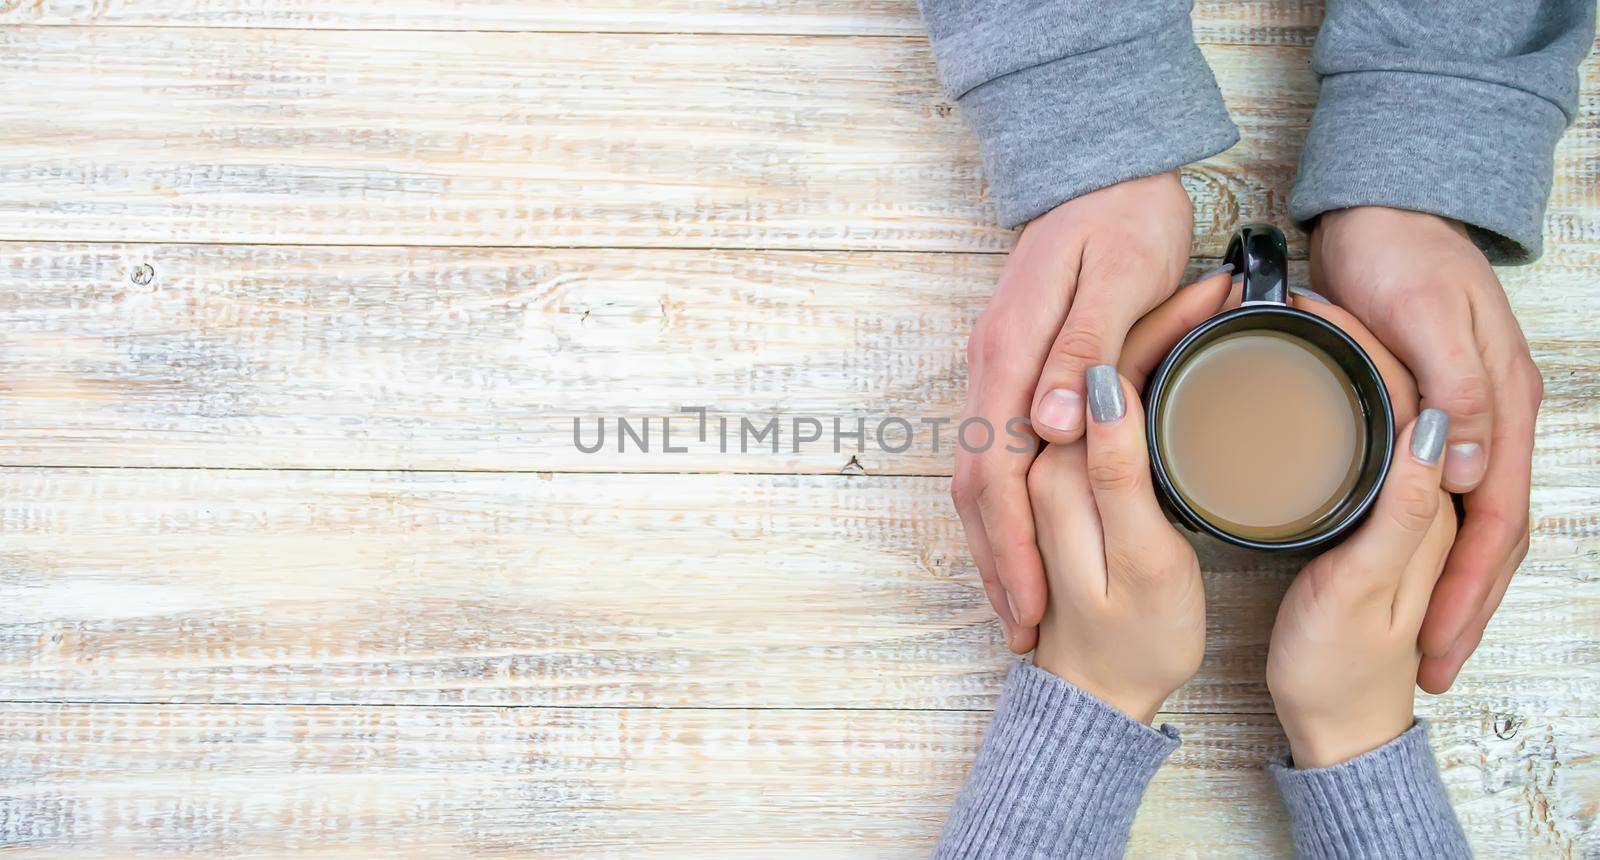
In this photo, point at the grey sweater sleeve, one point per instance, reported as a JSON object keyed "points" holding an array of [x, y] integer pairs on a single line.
{"points": [[1070, 96], [1451, 107], [1060, 774], [1389, 802]]}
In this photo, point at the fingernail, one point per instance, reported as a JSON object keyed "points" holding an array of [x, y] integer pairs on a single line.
{"points": [[1308, 294], [1225, 267], [1062, 409], [1427, 437], [1017, 619], [1105, 394], [1464, 467]]}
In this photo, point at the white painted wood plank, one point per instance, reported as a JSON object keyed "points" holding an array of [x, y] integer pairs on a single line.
{"points": [[1261, 22], [819, 17], [482, 138], [482, 358], [615, 590], [116, 779], [499, 139]]}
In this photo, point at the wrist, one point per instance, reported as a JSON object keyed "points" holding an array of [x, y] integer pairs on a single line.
{"points": [[1392, 218], [1331, 740], [1139, 701]]}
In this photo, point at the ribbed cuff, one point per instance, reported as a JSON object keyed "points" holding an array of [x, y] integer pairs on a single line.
{"points": [[1055, 131], [1386, 803], [1060, 774], [1477, 152]]}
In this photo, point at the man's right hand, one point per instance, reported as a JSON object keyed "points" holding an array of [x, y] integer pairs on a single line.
{"points": [[1419, 283], [1078, 279]]}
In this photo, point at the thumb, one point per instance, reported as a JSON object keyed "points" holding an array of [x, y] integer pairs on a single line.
{"points": [[1093, 333], [1443, 354], [1118, 464], [1406, 507]]}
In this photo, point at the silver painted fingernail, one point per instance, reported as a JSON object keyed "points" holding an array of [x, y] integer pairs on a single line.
{"points": [[1105, 394], [1427, 437], [1225, 267], [1309, 294]]}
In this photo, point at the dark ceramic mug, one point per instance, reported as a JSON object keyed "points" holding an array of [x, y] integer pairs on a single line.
{"points": [[1259, 255]]}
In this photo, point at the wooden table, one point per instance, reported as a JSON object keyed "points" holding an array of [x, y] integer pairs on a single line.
{"points": [[299, 300]]}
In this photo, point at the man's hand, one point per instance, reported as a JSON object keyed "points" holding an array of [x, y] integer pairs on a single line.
{"points": [[1427, 292], [1127, 620], [1078, 279], [1342, 666]]}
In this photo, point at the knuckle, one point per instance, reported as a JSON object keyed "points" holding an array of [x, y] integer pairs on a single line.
{"points": [[1116, 257], [1125, 562], [1467, 395], [1405, 303], [989, 344], [1153, 562], [1533, 380], [1008, 552], [1510, 532], [1399, 305], [963, 490], [1414, 508], [1077, 347], [1115, 470]]}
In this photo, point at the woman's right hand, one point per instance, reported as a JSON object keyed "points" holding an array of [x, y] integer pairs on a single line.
{"points": [[1342, 666], [1125, 620]]}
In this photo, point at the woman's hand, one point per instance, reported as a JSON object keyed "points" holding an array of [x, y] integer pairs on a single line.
{"points": [[1078, 279], [1342, 666], [1125, 621]]}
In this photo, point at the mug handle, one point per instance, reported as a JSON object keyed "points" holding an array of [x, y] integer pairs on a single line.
{"points": [[1260, 254]]}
